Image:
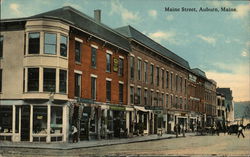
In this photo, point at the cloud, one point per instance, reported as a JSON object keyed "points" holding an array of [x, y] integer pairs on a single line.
{"points": [[209, 40], [242, 11], [169, 17], [160, 36], [244, 53], [152, 13], [220, 3], [128, 17], [238, 80], [15, 7]]}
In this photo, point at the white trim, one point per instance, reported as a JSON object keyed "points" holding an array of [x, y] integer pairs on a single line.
{"points": [[94, 46], [146, 61], [157, 91], [132, 85], [151, 89], [138, 86], [93, 75], [120, 82], [78, 72], [162, 68], [162, 92], [109, 52], [121, 57], [145, 88], [152, 63], [108, 79], [139, 58], [132, 55], [78, 39]]}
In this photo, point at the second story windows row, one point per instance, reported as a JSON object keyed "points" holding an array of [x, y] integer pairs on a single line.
{"points": [[45, 80], [52, 43]]}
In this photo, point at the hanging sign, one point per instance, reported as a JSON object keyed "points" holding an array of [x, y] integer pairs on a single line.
{"points": [[116, 64]]}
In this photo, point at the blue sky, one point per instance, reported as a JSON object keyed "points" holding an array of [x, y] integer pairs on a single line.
{"points": [[216, 42]]}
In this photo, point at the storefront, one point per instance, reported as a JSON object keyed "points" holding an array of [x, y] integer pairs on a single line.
{"points": [[142, 118]]}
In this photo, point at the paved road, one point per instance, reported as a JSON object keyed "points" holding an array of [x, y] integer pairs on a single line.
{"points": [[223, 145]]}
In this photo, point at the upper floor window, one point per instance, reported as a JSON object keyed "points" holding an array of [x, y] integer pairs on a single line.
{"points": [[1, 46], [34, 43], [108, 90], [157, 76], [49, 79], [139, 69], [181, 84], [120, 92], [151, 98], [121, 65], [1, 80], [50, 43], [167, 100], [151, 73], [108, 62], [167, 77], [63, 81], [139, 96], [77, 85], [132, 62], [171, 81], [93, 88], [77, 51], [131, 95], [176, 83], [63, 46], [145, 72], [162, 78], [33, 79], [93, 57], [162, 99], [145, 97]]}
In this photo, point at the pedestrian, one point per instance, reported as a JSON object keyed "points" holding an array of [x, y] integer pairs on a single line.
{"points": [[176, 130], [74, 134], [240, 131], [183, 130]]}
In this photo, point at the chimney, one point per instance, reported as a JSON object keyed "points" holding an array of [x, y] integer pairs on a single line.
{"points": [[97, 15]]}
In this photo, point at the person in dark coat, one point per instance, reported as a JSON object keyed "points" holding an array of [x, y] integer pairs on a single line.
{"points": [[240, 131]]}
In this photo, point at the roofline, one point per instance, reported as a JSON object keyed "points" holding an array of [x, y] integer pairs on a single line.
{"points": [[158, 53]]}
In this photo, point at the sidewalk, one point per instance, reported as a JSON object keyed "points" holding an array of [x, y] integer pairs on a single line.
{"points": [[87, 144]]}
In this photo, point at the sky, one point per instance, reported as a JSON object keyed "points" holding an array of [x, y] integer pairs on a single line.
{"points": [[216, 42]]}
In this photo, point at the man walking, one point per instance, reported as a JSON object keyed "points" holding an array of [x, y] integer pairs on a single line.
{"points": [[240, 131]]}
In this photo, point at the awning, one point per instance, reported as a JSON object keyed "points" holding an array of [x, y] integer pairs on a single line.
{"points": [[141, 108], [117, 108]]}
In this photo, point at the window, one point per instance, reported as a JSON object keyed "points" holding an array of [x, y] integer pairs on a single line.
{"points": [[185, 86], [120, 92], [49, 79], [40, 119], [93, 88], [180, 103], [56, 119], [108, 62], [1, 80], [145, 97], [63, 81], [157, 76], [157, 99], [139, 69], [139, 96], [33, 79], [77, 51], [34, 43], [50, 43], [152, 73], [162, 78], [167, 100], [77, 85], [171, 81], [63, 46], [181, 84], [108, 90], [167, 79], [6, 119], [176, 102], [93, 57], [1, 46], [152, 98], [171, 100], [145, 72], [176, 82], [131, 95], [132, 62], [162, 99], [120, 70]]}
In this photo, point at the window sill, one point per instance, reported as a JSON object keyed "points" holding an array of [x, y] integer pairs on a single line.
{"points": [[78, 63]]}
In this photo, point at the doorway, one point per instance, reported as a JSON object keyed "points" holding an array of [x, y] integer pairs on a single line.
{"points": [[25, 123]]}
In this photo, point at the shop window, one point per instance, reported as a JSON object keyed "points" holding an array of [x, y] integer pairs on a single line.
{"points": [[1, 46], [110, 120], [6, 119], [120, 70], [78, 51], [56, 120], [108, 62], [49, 79], [77, 85], [63, 46], [63, 81], [33, 79], [93, 120], [17, 119], [108, 90], [120, 92], [50, 43], [93, 57], [34, 43], [40, 119], [132, 67], [93, 88]]}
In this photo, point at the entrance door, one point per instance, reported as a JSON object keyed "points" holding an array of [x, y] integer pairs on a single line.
{"points": [[25, 123]]}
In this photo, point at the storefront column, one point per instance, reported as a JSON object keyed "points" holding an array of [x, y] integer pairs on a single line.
{"points": [[99, 115], [13, 122], [31, 123], [105, 123], [127, 122], [64, 123], [48, 123]]}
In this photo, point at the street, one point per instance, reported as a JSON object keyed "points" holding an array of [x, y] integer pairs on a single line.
{"points": [[223, 145]]}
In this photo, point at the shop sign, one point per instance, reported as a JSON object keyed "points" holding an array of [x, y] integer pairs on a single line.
{"points": [[87, 101], [116, 64], [117, 108], [153, 107]]}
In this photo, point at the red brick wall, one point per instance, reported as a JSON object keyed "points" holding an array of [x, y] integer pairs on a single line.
{"points": [[100, 71]]}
